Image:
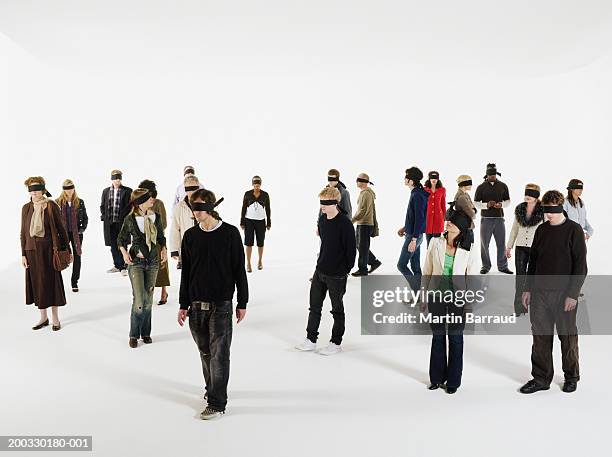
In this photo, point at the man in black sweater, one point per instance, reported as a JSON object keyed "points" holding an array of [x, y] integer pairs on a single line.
{"points": [[336, 258], [556, 273], [213, 266], [492, 197]]}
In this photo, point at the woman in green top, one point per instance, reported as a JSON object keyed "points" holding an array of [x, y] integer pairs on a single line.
{"points": [[142, 231], [449, 260]]}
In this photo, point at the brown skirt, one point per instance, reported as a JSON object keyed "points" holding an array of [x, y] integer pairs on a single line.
{"points": [[163, 275], [44, 285]]}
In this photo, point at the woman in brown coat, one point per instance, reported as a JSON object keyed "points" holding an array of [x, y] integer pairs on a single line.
{"points": [[44, 285]]}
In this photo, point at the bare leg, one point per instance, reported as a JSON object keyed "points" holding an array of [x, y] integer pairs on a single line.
{"points": [[54, 315], [249, 251], [164, 294], [260, 252]]}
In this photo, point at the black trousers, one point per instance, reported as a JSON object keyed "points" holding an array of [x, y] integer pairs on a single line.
{"points": [[115, 228], [521, 262], [441, 368], [212, 332], [254, 228], [429, 236], [546, 312], [363, 235], [320, 285], [76, 263]]}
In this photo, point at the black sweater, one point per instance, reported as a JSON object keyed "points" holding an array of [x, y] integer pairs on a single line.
{"points": [[498, 192], [338, 247], [213, 264], [557, 258]]}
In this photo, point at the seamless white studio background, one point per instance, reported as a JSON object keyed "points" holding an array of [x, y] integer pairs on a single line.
{"points": [[287, 90]]}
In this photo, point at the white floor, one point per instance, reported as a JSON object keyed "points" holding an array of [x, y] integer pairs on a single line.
{"points": [[370, 400]]}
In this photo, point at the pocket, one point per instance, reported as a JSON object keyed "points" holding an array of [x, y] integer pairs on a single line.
{"points": [[223, 307]]}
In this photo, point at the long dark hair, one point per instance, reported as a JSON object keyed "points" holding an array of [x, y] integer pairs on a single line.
{"points": [[463, 240], [438, 186], [570, 195]]}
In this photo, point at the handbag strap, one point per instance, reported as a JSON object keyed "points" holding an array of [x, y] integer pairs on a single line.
{"points": [[53, 228]]}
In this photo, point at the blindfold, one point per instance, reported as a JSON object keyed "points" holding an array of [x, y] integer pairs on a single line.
{"points": [[556, 209], [208, 207], [532, 193]]}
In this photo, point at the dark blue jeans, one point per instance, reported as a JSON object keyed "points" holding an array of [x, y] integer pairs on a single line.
{"points": [[212, 332], [441, 369], [413, 259], [143, 274]]}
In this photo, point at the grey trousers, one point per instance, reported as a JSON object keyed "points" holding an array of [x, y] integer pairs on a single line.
{"points": [[496, 227]]}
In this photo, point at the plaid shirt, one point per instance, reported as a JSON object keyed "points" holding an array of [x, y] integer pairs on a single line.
{"points": [[114, 196]]}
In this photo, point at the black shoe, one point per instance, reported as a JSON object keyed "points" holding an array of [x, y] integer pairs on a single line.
{"points": [[483, 271], [147, 340], [41, 325], [179, 265], [507, 271], [434, 386], [569, 386], [359, 273], [374, 267], [451, 390], [532, 387], [75, 288], [55, 328]]}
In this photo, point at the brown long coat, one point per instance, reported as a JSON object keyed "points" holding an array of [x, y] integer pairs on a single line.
{"points": [[44, 285]]}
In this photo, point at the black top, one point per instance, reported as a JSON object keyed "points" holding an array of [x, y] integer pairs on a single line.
{"points": [[263, 200], [558, 250], [213, 264], [496, 191], [130, 234], [338, 246]]}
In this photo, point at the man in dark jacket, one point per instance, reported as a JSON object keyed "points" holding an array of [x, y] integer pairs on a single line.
{"points": [[114, 206], [213, 268], [491, 198], [556, 272], [413, 229]]}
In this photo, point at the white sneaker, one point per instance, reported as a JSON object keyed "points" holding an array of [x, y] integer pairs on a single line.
{"points": [[307, 345], [210, 413], [124, 272], [331, 349], [113, 270]]}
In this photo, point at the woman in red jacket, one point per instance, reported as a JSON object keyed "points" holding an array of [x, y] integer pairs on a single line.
{"points": [[436, 206]]}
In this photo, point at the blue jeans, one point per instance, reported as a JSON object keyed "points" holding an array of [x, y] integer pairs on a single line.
{"points": [[143, 274], [441, 368], [414, 260]]}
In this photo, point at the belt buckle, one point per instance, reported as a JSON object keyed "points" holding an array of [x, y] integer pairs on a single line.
{"points": [[203, 305]]}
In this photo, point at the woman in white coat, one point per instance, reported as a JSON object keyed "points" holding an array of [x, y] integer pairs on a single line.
{"points": [[182, 218], [449, 262]]}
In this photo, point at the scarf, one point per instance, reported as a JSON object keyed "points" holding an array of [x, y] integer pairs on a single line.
{"points": [[37, 223], [150, 229]]}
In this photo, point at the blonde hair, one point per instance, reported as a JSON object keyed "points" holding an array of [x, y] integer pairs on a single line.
{"points": [[116, 172], [330, 193], [462, 178], [34, 180], [532, 187], [191, 179], [63, 198]]}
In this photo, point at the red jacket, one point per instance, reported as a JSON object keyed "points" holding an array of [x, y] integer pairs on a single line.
{"points": [[436, 209]]}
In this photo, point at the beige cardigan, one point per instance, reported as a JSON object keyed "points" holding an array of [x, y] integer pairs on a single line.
{"points": [[465, 265], [182, 220]]}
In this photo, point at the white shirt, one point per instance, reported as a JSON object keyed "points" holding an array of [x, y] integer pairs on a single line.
{"points": [[255, 211], [212, 229]]}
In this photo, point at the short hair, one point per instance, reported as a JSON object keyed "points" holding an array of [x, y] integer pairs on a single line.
{"points": [[333, 172], [365, 176], [330, 193], [116, 172], [553, 197], [34, 180], [191, 179]]}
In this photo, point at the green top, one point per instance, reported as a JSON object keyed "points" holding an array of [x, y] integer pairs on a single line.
{"points": [[447, 272]]}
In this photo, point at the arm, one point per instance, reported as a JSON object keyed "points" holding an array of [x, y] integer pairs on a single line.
{"points": [[243, 210], [443, 203], [60, 226], [478, 203], [268, 212], [513, 234], [175, 232], [102, 202], [533, 260], [428, 267], [579, 265], [362, 209], [506, 197], [23, 234], [184, 295], [124, 238], [161, 238], [238, 270], [85, 217], [350, 246]]}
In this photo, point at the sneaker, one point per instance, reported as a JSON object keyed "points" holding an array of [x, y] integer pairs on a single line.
{"points": [[124, 272], [331, 349], [210, 413], [113, 270], [307, 345]]}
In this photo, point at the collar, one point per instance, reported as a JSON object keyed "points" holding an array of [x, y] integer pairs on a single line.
{"points": [[212, 229]]}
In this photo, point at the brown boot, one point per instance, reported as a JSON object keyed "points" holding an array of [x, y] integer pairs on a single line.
{"points": [[133, 342]]}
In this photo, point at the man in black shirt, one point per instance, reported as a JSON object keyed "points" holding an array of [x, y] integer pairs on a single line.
{"points": [[213, 266], [336, 258], [556, 272], [492, 197]]}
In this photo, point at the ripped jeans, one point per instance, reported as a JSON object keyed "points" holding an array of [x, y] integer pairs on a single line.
{"points": [[143, 274]]}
